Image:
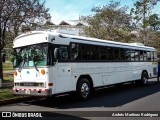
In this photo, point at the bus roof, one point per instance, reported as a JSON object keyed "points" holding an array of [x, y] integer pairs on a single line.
{"points": [[73, 38], [96, 40]]}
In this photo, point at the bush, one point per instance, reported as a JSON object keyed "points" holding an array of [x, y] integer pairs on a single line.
{"points": [[12, 58]]}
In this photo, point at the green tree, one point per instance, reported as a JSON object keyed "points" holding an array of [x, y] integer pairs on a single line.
{"points": [[154, 21], [109, 22], [14, 14], [153, 40], [141, 13]]}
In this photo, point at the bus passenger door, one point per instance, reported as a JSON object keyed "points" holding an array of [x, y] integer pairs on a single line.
{"points": [[63, 79]]}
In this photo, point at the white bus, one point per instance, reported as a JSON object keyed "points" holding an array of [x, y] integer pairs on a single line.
{"points": [[48, 63]]}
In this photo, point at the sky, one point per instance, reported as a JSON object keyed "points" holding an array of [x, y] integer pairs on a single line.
{"points": [[72, 9]]}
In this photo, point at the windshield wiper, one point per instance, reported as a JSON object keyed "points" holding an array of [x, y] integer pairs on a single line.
{"points": [[35, 64], [22, 64]]}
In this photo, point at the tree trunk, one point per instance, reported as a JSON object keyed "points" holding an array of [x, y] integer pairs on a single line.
{"points": [[1, 69], [144, 21]]}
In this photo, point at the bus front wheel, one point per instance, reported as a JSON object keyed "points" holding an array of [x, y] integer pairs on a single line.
{"points": [[83, 89]]}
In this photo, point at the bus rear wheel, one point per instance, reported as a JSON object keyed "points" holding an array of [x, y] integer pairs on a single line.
{"points": [[83, 89], [144, 78]]}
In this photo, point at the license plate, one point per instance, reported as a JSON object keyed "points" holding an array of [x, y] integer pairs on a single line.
{"points": [[27, 91], [28, 84]]}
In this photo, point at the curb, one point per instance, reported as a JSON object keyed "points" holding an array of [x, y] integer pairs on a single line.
{"points": [[17, 100]]}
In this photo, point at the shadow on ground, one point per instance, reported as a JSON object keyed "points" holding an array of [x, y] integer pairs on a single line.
{"points": [[107, 97]]}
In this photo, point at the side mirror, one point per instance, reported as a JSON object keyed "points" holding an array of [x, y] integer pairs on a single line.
{"points": [[56, 53]]}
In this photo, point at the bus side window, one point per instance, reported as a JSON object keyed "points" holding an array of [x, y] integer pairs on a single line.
{"points": [[74, 51], [145, 55], [148, 56], [122, 54], [63, 52], [116, 54], [141, 55], [109, 53], [155, 56], [132, 53], [152, 56], [103, 53], [85, 52], [94, 52], [128, 55], [136, 55]]}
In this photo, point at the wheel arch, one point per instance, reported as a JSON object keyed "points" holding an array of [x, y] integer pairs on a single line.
{"points": [[143, 72], [88, 77]]}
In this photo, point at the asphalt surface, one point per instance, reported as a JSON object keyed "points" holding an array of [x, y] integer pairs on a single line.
{"points": [[114, 99]]}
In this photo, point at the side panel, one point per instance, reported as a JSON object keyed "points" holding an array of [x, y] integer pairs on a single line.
{"points": [[111, 72], [64, 76]]}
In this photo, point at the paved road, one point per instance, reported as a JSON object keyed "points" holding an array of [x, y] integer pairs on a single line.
{"points": [[128, 97]]}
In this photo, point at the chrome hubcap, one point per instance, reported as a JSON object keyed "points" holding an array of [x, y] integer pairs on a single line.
{"points": [[85, 90]]}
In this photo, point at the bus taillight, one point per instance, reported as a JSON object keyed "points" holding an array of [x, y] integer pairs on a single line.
{"points": [[50, 84]]}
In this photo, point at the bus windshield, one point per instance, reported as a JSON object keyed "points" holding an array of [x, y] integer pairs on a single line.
{"points": [[33, 55]]}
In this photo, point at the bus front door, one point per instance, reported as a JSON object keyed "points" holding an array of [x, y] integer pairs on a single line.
{"points": [[63, 79]]}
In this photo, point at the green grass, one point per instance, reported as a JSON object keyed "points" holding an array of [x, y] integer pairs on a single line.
{"points": [[7, 66], [10, 78], [6, 93]]}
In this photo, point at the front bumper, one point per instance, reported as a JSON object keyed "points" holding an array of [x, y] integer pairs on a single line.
{"points": [[32, 92]]}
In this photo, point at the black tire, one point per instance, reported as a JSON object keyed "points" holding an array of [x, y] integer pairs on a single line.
{"points": [[83, 89], [144, 78]]}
